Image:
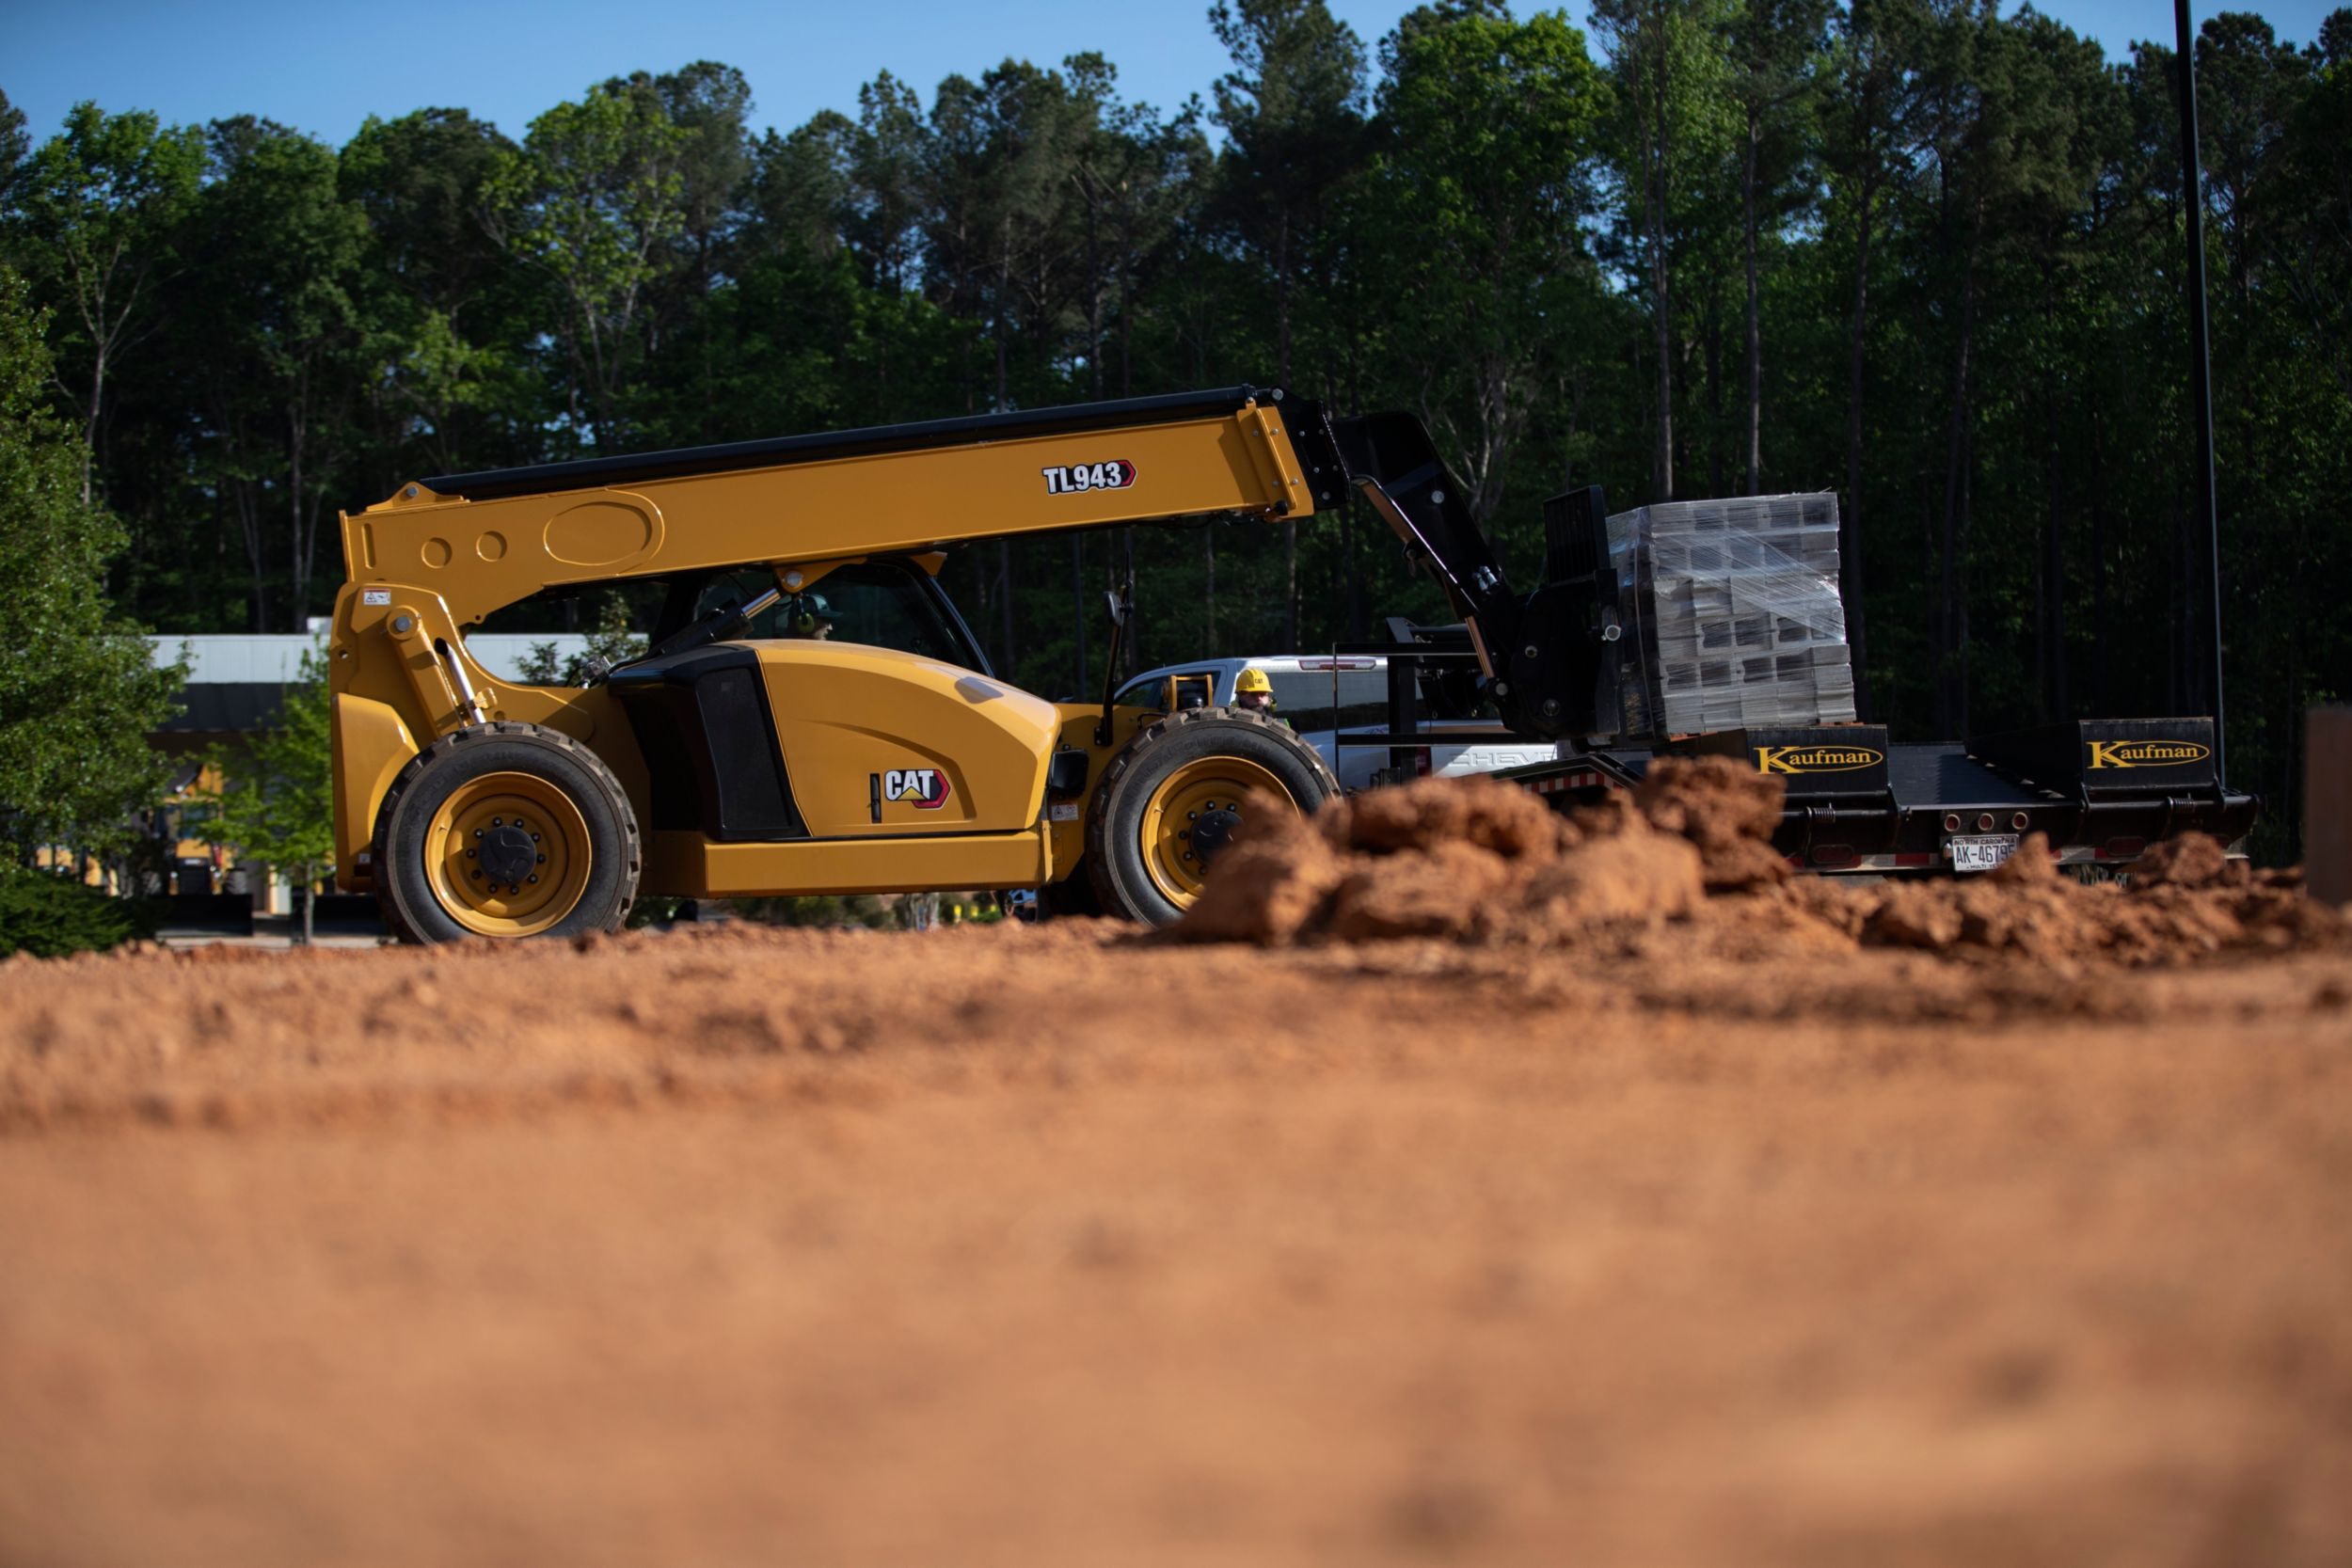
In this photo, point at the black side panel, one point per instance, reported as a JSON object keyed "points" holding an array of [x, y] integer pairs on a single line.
{"points": [[626, 468], [2108, 756], [1813, 762], [710, 745]]}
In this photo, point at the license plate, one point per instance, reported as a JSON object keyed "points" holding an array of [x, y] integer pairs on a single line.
{"points": [[1983, 852]]}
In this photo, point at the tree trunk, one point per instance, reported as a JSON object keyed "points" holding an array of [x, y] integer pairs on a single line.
{"points": [[1661, 295], [1003, 604], [90, 424], [1208, 593], [1004, 547], [1712, 333], [1755, 335], [1078, 608], [1849, 524], [1282, 372], [1130, 647], [1952, 623], [2050, 607], [2100, 702]]}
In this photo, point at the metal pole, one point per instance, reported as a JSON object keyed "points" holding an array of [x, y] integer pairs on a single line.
{"points": [[2201, 359]]}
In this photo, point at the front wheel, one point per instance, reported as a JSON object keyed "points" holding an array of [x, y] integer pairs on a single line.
{"points": [[1172, 800], [505, 831]]}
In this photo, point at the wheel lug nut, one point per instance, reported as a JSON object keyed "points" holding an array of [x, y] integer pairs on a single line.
{"points": [[534, 876], [470, 854], [477, 875], [535, 838], [477, 832], [1184, 832], [498, 822], [543, 860]]}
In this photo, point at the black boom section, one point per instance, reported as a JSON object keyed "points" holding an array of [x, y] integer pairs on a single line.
{"points": [[702, 720], [1552, 666], [1395, 463], [589, 473]]}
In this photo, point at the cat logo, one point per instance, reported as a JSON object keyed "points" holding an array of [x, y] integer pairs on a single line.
{"points": [[924, 788], [1816, 759], [2146, 753]]}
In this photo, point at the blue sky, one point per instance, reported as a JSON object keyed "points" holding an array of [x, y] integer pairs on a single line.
{"points": [[325, 65]]}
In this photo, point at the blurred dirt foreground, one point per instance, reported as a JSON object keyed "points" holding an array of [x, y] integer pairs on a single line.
{"points": [[1791, 1228]]}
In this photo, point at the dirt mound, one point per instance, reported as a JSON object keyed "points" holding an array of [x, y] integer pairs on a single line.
{"points": [[1690, 852]]}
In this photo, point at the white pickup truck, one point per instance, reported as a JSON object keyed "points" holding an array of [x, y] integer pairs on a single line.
{"points": [[1320, 694]]}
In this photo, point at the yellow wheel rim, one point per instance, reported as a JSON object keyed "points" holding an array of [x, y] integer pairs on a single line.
{"points": [[507, 855], [1192, 816]]}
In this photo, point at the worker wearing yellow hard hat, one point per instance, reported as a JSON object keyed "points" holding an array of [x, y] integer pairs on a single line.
{"points": [[1254, 693]]}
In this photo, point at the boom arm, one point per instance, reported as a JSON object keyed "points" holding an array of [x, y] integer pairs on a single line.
{"points": [[482, 541]]}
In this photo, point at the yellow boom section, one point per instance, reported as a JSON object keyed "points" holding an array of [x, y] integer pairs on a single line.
{"points": [[476, 556]]}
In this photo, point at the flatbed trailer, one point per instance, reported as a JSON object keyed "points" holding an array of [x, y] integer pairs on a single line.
{"points": [[2102, 790]]}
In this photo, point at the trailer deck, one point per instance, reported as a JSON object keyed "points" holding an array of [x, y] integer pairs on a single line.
{"points": [[2102, 790]]}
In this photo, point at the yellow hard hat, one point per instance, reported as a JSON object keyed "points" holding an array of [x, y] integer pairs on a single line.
{"points": [[1253, 679]]}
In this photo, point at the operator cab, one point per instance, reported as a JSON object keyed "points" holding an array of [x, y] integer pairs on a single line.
{"points": [[885, 602]]}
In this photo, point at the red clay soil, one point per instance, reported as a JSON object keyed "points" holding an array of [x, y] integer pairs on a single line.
{"points": [[1743, 1233], [1683, 864]]}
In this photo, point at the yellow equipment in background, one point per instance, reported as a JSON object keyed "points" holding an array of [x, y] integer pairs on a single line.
{"points": [[814, 717]]}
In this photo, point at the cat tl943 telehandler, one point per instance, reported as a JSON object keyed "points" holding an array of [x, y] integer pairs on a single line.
{"points": [[813, 715]]}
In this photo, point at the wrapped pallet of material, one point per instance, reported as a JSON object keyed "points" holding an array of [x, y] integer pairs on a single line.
{"points": [[1734, 610]]}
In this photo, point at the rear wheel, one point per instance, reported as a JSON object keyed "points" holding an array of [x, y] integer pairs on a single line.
{"points": [[505, 831], [1172, 801]]}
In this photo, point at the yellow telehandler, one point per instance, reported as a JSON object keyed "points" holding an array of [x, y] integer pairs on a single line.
{"points": [[813, 715]]}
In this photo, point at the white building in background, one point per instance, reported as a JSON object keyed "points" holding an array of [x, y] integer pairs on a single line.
{"points": [[236, 679]]}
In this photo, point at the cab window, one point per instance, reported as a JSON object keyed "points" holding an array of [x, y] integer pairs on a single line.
{"points": [[1308, 698], [880, 604], [1151, 691]]}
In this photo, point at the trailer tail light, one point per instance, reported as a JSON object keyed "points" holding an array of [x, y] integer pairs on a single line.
{"points": [[1984, 821], [2124, 849], [1834, 857], [2019, 821], [1914, 860], [1952, 821], [1422, 763]]}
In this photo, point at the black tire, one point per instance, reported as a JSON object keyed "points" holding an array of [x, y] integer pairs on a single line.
{"points": [[1119, 864], [415, 911]]}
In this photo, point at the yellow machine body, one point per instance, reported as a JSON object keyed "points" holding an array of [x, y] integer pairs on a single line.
{"points": [[907, 773]]}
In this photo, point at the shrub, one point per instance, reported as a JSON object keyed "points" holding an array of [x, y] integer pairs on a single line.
{"points": [[49, 915]]}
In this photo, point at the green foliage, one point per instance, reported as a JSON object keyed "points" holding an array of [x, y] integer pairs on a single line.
{"points": [[1476, 208], [610, 641], [594, 199], [857, 909], [95, 217], [79, 694], [275, 803], [49, 916]]}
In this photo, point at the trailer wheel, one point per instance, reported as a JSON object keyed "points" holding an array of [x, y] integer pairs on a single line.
{"points": [[1171, 801], [505, 831]]}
